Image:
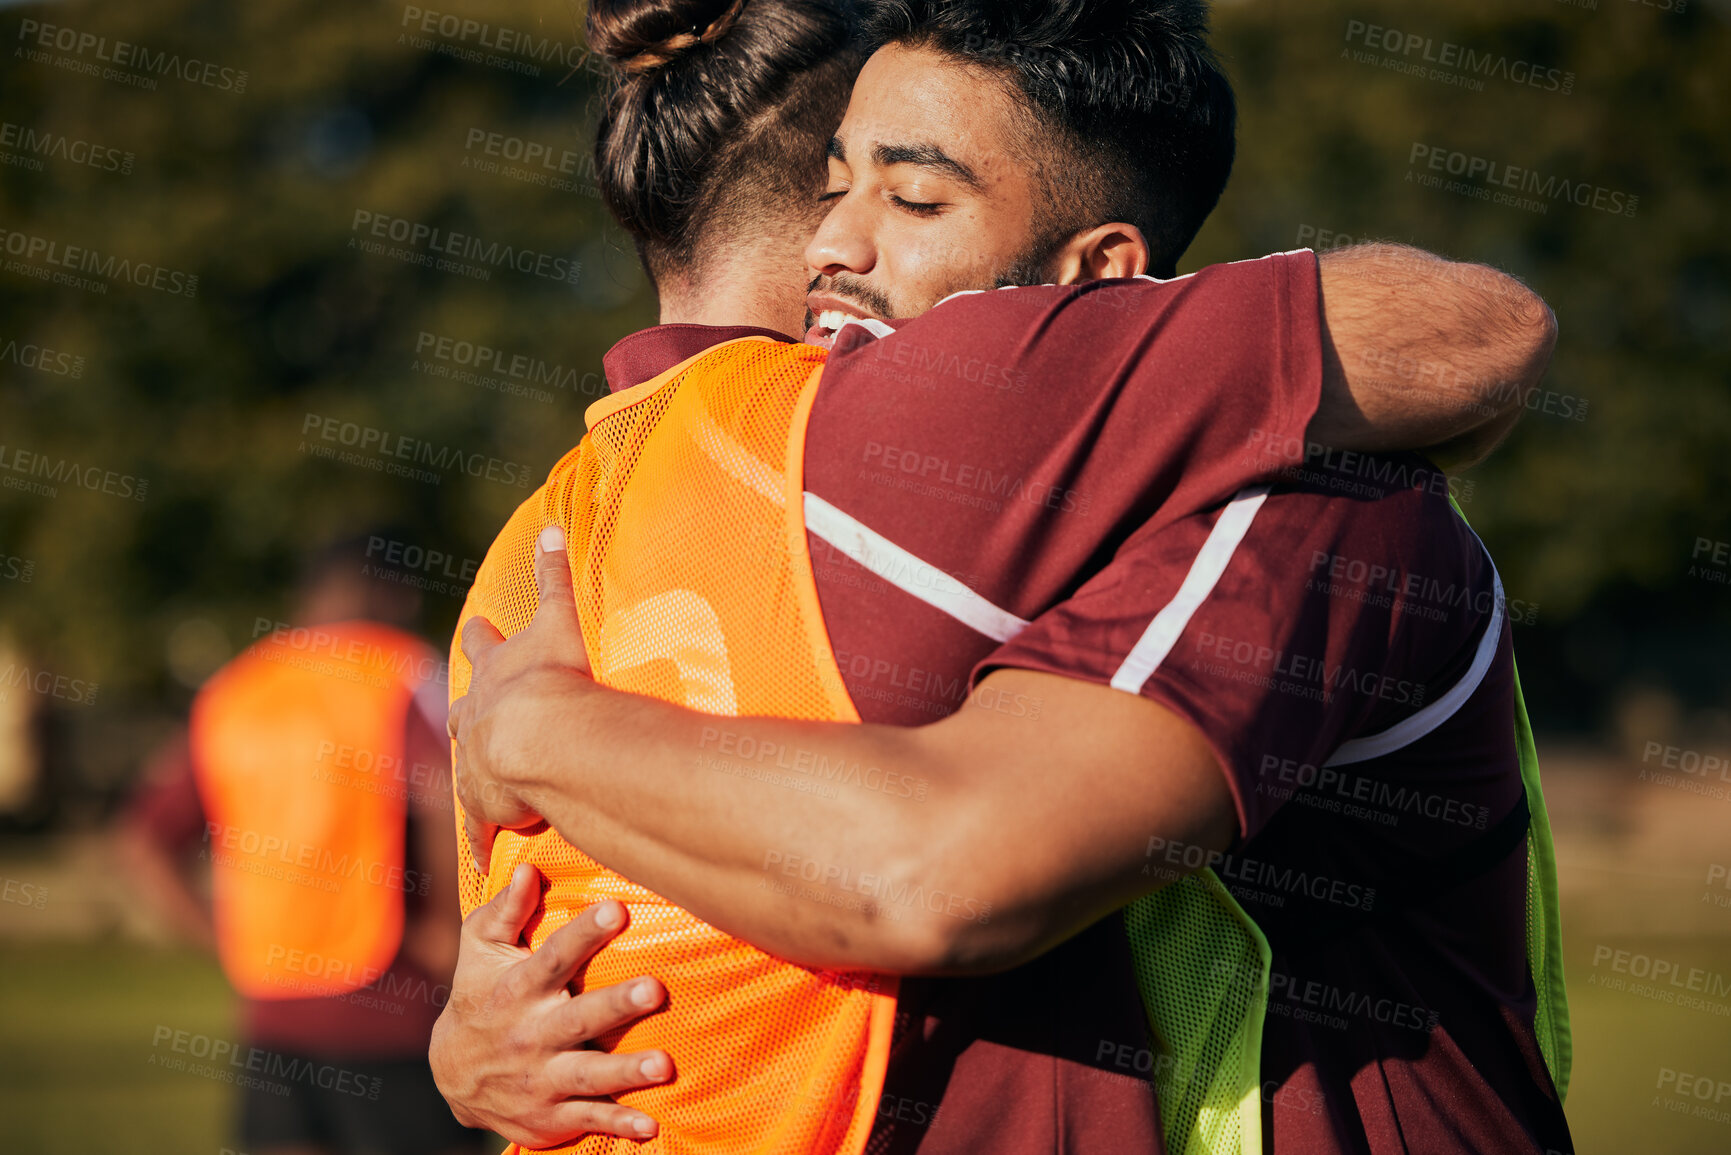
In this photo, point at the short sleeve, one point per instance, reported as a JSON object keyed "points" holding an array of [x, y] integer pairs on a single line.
{"points": [[1280, 625], [1015, 438]]}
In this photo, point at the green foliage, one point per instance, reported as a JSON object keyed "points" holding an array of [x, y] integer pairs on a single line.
{"points": [[256, 193]]}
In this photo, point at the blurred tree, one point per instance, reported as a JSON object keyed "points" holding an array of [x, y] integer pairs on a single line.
{"points": [[354, 114]]}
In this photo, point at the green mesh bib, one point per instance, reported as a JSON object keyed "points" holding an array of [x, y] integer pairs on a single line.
{"points": [[1202, 965]]}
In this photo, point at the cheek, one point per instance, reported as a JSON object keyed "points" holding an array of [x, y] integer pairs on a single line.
{"points": [[945, 257]]}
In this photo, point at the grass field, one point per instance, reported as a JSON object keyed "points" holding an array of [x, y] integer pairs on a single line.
{"points": [[77, 1024]]}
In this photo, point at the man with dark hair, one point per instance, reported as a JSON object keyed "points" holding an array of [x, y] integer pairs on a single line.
{"points": [[1167, 685], [1098, 105]]}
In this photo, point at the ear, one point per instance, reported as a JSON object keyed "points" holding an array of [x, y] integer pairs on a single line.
{"points": [[1102, 253]]}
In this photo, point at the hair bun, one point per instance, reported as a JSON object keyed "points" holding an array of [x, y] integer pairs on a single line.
{"points": [[641, 36]]}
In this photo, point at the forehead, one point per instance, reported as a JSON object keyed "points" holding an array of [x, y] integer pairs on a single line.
{"points": [[919, 98]]}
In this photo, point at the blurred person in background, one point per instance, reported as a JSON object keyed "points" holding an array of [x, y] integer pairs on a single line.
{"points": [[314, 779]]}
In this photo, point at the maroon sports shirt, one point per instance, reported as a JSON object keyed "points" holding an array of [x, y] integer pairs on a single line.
{"points": [[1029, 478]]}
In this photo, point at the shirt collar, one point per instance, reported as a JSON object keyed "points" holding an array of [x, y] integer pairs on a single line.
{"points": [[648, 353]]}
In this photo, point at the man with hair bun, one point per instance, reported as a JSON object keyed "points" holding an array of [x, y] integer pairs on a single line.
{"points": [[1066, 507]]}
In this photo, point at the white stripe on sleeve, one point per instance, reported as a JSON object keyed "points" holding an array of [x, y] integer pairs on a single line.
{"points": [[908, 573], [1163, 632]]}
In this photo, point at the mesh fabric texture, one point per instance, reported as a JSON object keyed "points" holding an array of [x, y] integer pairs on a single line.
{"points": [[1202, 966], [685, 527]]}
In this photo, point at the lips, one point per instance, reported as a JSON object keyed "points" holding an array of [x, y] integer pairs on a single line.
{"points": [[830, 313], [829, 323]]}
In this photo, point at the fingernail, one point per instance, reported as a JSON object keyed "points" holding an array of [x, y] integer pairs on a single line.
{"points": [[655, 1067], [643, 994], [610, 915], [552, 539], [520, 876], [643, 1125]]}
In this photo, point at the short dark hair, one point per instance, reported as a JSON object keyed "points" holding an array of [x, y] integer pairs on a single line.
{"points": [[1133, 98], [719, 114]]}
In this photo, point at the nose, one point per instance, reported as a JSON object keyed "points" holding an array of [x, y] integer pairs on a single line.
{"points": [[844, 242]]}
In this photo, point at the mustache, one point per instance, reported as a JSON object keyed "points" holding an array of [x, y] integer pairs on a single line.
{"points": [[857, 290]]}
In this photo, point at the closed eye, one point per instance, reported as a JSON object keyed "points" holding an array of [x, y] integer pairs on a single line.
{"points": [[918, 208]]}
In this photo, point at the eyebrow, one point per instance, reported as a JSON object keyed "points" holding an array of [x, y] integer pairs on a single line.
{"points": [[928, 156]]}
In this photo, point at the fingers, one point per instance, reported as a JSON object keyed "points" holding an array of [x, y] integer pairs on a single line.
{"points": [[591, 1074], [503, 920], [553, 568], [457, 717], [558, 602], [479, 636], [480, 835], [592, 1014], [568, 949], [605, 1119]]}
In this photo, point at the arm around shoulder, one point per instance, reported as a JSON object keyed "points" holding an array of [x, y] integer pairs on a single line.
{"points": [[1421, 352]]}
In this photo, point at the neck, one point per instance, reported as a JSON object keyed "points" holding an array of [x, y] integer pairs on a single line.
{"points": [[762, 286]]}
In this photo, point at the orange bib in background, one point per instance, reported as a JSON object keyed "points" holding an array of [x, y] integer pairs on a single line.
{"points": [[684, 516], [295, 744]]}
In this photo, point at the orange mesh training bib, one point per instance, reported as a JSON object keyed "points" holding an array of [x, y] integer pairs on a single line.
{"points": [[306, 859], [683, 512]]}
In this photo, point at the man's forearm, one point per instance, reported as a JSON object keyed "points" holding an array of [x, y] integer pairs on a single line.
{"points": [[714, 814], [1426, 352], [1028, 829]]}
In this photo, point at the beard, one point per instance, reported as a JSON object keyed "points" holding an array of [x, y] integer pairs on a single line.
{"points": [[1032, 266]]}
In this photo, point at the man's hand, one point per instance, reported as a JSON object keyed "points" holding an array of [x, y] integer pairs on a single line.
{"points": [[508, 1051], [494, 724]]}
